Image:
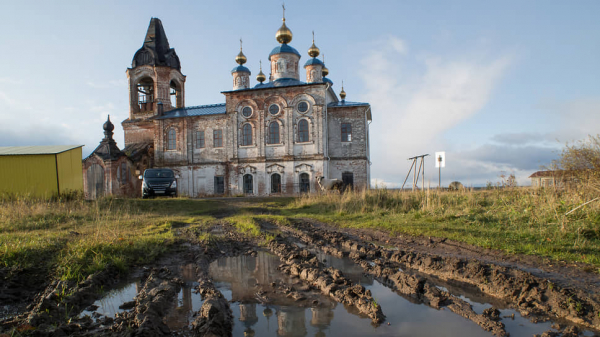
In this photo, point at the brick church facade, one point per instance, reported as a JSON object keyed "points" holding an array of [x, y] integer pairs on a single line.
{"points": [[273, 138]]}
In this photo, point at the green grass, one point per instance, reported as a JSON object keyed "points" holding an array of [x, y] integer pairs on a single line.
{"points": [[71, 239], [523, 221]]}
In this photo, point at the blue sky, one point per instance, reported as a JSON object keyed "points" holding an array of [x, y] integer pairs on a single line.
{"points": [[500, 86]]}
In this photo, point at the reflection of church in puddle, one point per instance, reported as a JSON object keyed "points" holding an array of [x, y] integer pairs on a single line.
{"points": [[291, 321], [243, 273]]}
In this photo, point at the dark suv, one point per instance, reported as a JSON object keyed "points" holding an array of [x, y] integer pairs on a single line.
{"points": [[159, 182]]}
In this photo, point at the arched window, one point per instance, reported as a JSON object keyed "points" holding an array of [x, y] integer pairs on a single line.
{"points": [[175, 94], [124, 173], [247, 134], [248, 184], [304, 183], [275, 183], [171, 139], [302, 131], [274, 133], [145, 94]]}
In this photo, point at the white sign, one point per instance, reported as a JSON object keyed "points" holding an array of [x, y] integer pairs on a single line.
{"points": [[440, 159]]}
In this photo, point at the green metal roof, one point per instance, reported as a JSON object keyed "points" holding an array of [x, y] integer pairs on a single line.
{"points": [[43, 149]]}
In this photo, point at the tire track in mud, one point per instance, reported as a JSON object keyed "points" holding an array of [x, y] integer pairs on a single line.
{"points": [[529, 294], [55, 311], [330, 281], [413, 286]]}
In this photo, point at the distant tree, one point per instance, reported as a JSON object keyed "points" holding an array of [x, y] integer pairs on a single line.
{"points": [[580, 162], [507, 180]]}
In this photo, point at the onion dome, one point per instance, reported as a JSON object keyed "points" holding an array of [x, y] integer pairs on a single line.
{"points": [[343, 93], [261, 77], [325, 70], [313, 51], [240, 58], [241, 69], [108, 125], [284, 34], [313, 61], [284, 48]]}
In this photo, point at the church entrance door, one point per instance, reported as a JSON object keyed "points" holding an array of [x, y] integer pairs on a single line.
{"points": [[95, 181]]}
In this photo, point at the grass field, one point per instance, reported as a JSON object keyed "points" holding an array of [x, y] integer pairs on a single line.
{"points": [[72, 239]]}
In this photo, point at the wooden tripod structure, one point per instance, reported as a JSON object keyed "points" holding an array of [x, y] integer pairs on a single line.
{"points": [[417, 172]]}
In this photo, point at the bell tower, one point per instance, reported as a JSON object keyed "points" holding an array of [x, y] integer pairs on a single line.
{"points": [[156, 84]]}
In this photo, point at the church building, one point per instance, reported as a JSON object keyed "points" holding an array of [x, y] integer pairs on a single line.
{"points": [[275, 137]]}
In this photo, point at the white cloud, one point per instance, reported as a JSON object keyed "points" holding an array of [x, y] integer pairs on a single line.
{"points": [[412, 111], [380, 183], [398, 45]]}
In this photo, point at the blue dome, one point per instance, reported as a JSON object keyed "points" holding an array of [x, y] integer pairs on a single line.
{"points": [[283, 48], [326, 80], [312, 61], [240, 68]]}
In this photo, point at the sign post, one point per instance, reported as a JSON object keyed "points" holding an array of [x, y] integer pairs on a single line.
{"points": [[440, 161]]}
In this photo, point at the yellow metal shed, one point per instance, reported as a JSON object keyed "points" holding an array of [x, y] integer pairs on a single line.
{"points": [[40, 171]]}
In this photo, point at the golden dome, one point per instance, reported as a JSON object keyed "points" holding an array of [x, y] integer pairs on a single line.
{"points": [[325, 70], [240, 58], [343, 93], [261, 77], [313, 51], [284, 34]]}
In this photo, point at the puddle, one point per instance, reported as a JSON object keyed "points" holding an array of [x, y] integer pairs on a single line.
{"points": [[416, 318], [109, 304], [189, 301], [179, 317], [237, 278]]}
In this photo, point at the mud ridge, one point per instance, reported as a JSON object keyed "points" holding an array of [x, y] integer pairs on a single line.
{"points": [[410, 285], [330, 281], [529, 294]]}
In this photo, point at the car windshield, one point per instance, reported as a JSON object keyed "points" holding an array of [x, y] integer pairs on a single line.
{"points": [[158, 174]]}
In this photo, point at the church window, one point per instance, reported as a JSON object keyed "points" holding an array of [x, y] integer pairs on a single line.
{"points": [[248, 185], [247, 111], [346, 132], [171, 139], [275, 183], [303, 106], [273, 133], [199, 139], [124, 175], [219, 185], [281, 65], [145, 94], [304, 183], [247, 134], [303, 131], [218, 138], [274, 109], [175, 95]]}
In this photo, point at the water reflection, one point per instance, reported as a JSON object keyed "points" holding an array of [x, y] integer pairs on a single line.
{"points": [[351, 270], [180, 315], [109, 304]]}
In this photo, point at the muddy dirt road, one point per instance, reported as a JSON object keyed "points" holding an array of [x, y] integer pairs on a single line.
{"points": [[307, 278]]}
